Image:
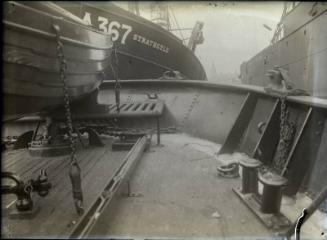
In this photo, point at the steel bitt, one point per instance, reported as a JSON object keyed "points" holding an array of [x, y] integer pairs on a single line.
{"points": [[249, 175]]}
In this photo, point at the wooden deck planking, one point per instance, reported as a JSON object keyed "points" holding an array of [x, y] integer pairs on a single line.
{"points": [[63, 196], [57, 210], [61, 162], [22, 160], [11, 157], [66, 202], [92, 182], [89, 175]]}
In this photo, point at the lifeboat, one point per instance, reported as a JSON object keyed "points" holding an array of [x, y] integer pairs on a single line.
{"points": [[32, 81]]}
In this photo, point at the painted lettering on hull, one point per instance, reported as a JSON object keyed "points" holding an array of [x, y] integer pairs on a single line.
{"points": [[116, 29]]}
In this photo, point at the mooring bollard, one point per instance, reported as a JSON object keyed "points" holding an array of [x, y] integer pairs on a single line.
{"points": [[272, 192], [249, 175]]}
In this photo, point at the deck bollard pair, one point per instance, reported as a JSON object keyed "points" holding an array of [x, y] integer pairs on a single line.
{"points": [[272, 185]]}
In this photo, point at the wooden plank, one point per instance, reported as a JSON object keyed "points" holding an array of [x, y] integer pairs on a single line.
{"points": [[11, 157], [30, 164], [57, 209], [20, 159]]}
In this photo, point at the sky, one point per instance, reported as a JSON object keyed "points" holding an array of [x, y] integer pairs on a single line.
{"points": [[233, 31]]}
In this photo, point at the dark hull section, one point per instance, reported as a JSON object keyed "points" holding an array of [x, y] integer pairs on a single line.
{"points": [[31, 77], [145, 50]]}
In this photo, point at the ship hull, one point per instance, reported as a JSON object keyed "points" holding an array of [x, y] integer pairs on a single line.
{"points": [[31, 79], [301, 51], [145, 50]]}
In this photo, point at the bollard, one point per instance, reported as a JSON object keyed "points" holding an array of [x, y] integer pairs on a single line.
{"points": [[249, 175], [272, 192]]}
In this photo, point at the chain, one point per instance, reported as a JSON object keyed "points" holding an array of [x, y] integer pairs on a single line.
{"points": [[286, 135], [75, 169], [282, 131], [63, 68], [114, 66]]}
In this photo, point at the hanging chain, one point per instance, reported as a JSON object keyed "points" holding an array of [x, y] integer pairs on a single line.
{"points": [[282, 131], [75, 173], [114, 66], [63, 68], [286, 135]]}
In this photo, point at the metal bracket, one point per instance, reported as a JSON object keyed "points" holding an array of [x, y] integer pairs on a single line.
{"points": [[25, 207], [271, 221], [242, 121]]}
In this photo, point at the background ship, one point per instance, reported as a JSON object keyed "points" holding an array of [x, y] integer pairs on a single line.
{"points": [[145, 49], [299, 45]]}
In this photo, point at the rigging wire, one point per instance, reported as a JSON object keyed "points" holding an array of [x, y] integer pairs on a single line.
{"points": [[174, 18]]}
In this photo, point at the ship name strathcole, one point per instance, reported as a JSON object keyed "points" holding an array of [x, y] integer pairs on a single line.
{"points": [[150, 43]]}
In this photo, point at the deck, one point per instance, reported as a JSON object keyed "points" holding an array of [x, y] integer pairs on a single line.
{"points": [[57, 212], [177, 194], [174, 192]]}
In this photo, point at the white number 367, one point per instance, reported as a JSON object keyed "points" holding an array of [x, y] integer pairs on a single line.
{"points": [[112, 28]]}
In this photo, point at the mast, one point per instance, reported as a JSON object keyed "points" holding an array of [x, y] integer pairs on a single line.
{"points": [[134, 7], [160, 14]]}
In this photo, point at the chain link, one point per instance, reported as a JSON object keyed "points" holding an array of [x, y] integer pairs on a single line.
{"points": [[63, 68], [286, 134], [114, 66], [75, 169]]}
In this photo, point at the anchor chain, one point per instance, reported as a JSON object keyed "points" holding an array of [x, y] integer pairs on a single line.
{"points": [[114, 66], [286, 135], [75, 171]]}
